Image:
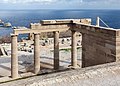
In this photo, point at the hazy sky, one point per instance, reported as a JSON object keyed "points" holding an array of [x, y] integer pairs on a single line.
{"points": [[59, 4]]}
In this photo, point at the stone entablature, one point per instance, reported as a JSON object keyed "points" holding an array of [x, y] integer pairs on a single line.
{"points": [[62, 25], [65, 21]]}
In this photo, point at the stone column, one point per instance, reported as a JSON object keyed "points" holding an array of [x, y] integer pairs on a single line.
{"points": [[74, 50], [36, 54], [14, 57], [56, 50]]}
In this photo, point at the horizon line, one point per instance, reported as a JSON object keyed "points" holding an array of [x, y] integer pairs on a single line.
{"points": [[62, 9]]}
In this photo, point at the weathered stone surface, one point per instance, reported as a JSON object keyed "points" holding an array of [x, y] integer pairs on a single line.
{"points": [[36, 54], [56, 50], [14, 57], [74, 50], [65, 21], [101, 75], [100, 45]]}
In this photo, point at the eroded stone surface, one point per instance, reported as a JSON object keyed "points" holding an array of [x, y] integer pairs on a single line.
{"points": [[102, 75]]}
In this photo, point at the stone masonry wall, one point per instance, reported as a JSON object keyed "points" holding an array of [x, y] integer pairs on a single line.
{"points": [[118, 45], [98, 45]]}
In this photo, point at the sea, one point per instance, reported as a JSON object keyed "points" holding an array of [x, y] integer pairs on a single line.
{"points": [[25, 17]]}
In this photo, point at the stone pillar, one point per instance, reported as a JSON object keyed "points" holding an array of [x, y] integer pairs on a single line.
{"points": [[74, 50], [36, 54], [56, 50], [14, 57]]}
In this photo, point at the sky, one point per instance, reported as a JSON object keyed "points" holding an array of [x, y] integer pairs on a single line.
{"points": [[59, 4]]}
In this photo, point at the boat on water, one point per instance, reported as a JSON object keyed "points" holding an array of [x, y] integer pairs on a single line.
{"points": [[7, 24], [2, 24]]}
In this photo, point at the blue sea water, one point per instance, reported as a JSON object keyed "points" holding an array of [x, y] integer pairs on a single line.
{"points": [[25, 17]]}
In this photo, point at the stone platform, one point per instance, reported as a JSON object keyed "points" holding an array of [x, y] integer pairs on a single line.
{"points": [[101, 75]]}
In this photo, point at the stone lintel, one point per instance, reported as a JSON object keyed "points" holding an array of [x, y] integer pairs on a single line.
{"points": [[66, 21], [24, 31], [62, 21]]}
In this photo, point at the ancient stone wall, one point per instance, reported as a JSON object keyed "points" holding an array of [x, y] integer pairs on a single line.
{"points": [[99, 45], [118, 45]]}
